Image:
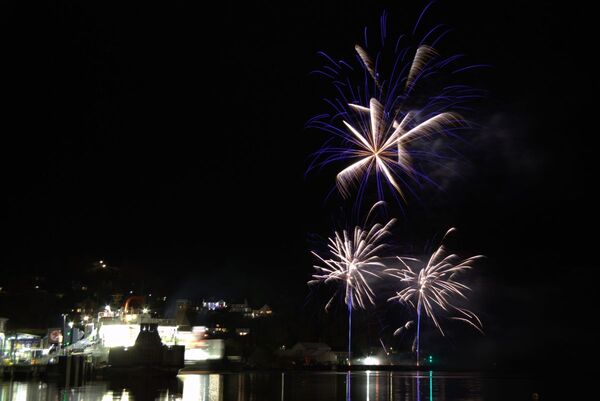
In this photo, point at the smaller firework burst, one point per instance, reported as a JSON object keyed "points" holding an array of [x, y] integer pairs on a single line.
{"points": [[353, 261], [435, 287]]}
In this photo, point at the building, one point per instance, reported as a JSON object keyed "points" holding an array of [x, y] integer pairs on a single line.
{"points": [[22, 348], [181, 318], [309, 354], [240, 308], [214, 305]]}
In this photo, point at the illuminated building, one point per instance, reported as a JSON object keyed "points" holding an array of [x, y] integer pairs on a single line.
{"points": [[240, 308], [262, 312], [242, 331], [214, 305], [22, 347]]}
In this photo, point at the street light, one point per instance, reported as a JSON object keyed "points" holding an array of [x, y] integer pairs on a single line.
{"points": [[64, 331]]}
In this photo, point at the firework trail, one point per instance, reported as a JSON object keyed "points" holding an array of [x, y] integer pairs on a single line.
{"points": [[434, 287], [378, 117], [353, 260]]}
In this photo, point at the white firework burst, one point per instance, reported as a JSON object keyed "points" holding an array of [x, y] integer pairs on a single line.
{"points": [[353, 260], [435, 286], [381, 146]]}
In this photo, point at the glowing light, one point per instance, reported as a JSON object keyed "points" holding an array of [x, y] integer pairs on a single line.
{"points": [[371, 361], [145, 310], [196, 354], [368, 386], [118, 335], [202, 387], [430, 385]]}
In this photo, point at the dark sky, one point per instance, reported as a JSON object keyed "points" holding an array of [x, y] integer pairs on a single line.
{"points": [[170, 141]]}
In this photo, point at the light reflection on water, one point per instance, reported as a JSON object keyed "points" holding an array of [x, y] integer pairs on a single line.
{"points": [[289, 386]]}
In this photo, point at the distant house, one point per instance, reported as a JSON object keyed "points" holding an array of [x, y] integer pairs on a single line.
{"points": [[309, 354], [262, 312], [265, 311], [214, 305], [240, 308]]}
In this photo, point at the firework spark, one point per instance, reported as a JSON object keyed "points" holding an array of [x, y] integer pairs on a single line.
{"points": [[434, 288]]}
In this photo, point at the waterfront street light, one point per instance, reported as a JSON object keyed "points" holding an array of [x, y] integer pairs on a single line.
{"points": [[64, 331], [71, 324]]}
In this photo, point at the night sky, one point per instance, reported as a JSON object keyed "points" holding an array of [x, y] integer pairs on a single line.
{"points": [[169, 140]]}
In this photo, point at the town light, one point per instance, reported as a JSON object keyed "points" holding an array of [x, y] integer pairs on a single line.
{"points": [[371, 360]]}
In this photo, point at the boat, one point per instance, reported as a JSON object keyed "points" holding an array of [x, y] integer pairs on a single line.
{"points": [[147, 357]]}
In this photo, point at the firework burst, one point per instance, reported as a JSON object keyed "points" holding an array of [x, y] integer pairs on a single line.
{"points": [[353, 261], [380, 114], [383, 147], [435, 287]]}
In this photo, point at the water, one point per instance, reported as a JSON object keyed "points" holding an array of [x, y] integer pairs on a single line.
{"points": [[289, 386]]}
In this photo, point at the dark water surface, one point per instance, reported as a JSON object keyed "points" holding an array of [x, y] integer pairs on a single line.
{"points": [[289, 386]]}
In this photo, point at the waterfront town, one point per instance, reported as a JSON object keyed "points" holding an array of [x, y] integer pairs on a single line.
{"points": [[102, 319]]}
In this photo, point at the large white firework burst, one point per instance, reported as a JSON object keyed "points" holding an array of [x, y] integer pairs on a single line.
{"points": [[381, 144], [383, 112]]}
